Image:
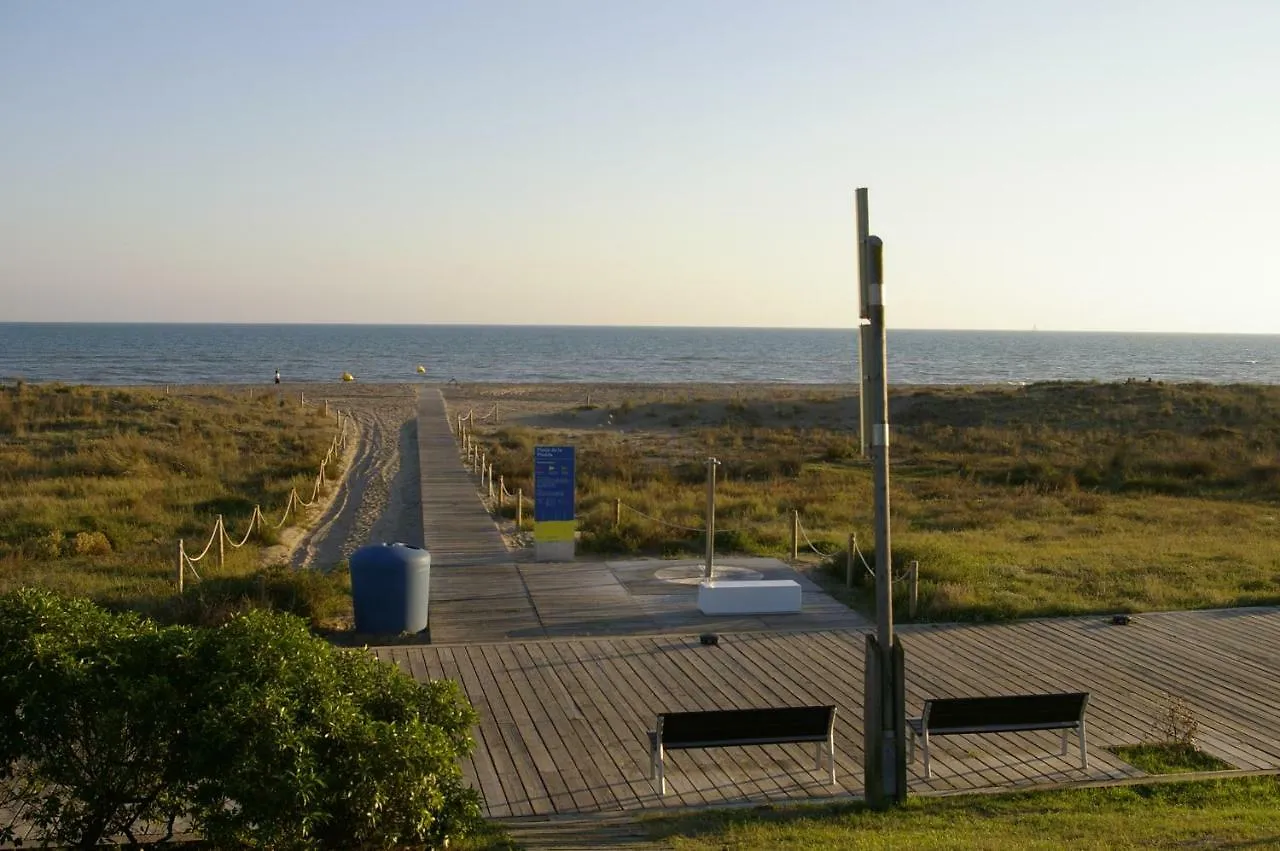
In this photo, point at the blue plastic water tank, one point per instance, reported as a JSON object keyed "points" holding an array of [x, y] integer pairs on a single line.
{"points": [[390, 586]]}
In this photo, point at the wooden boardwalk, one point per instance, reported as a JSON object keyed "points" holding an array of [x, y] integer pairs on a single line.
{"points": [[591, 598], [457, 527], [563, 720]]}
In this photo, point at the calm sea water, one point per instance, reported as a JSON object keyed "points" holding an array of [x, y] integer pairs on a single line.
{"points": [[188, 354]]}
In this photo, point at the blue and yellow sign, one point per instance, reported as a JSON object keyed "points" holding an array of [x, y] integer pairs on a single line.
{"points": [[553, 494]]}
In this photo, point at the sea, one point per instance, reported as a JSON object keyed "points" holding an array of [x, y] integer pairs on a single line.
{"points": [[128, 354]]}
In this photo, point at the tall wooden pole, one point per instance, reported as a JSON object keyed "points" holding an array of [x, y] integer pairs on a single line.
{"points": [[885, 721], [795, 534]]}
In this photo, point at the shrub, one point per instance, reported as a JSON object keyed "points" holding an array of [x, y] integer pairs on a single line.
{"points": [[301, 744], [90, 721], [259, 733], [48, 546], [91, 544]]}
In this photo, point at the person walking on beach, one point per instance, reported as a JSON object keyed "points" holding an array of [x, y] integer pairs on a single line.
{"points": [[277, 376]]}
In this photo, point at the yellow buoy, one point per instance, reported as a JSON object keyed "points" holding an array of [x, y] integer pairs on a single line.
{"points": [[422, 370], [346, 376]]}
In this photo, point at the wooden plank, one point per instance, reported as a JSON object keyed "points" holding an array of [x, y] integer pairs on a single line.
{"points": [[551, 713], [547, 790], [483, 761], [519, 785], [614, 754]]}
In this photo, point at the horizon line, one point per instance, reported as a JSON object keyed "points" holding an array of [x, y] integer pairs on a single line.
{"points": [[343, 324]]}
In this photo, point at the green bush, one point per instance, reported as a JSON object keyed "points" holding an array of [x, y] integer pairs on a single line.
{"points": [[259, 733], [90, 719]]}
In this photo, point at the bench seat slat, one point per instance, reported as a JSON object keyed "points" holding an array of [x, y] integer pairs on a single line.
{"points": [[733, 743], [918, 728]]}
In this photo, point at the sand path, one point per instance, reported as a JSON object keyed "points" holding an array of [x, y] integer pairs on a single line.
{"points": [[379, 500]]}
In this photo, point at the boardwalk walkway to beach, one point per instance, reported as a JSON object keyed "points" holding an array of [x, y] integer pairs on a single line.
{"points": [[457, 528]]}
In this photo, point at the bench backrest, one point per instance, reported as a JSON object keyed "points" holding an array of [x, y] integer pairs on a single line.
{"points": [[745, 725], [950, 712]]}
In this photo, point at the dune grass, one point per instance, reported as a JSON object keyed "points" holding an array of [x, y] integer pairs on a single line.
{"points": [[98, 484], [1047, 500]]}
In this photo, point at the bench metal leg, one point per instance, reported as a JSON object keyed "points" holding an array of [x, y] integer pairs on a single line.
{"points": [[827, 748], [662, 770], [1084, 754], [657, 766], [928, 769]]}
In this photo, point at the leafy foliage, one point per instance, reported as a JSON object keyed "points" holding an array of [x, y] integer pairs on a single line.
{"points": [[259, 733]]}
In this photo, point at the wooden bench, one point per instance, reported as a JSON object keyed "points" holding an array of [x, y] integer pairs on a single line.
{"points": [[953, 716], [724, 728]]}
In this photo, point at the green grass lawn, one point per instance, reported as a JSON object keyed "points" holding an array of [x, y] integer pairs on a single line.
{"points": [[1169, 758], [98, 484], [1053, 499], [1216, 814]]}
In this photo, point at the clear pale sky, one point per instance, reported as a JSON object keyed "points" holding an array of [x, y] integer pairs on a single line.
{"points": [[1068, 165]]}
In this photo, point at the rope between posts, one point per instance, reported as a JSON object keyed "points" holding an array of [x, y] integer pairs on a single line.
{"points": [[900, 578], [699, 529], [805, 535], [662, 522], [254, 519], [217, 527]]}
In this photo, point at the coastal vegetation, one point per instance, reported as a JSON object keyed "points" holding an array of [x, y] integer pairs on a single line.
{"points": [[1048, 499], [252, 734], [97, 485]]}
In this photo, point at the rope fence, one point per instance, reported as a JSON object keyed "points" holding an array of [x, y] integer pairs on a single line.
{"points": [[346, 426]]}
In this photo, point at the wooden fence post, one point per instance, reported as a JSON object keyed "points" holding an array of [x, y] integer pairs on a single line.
{"points": [[490, 482], [519, 508], [222, 555], [502, 490], [617, 513], [914, 588], [848, 567], [795, 534], [182, 563]]}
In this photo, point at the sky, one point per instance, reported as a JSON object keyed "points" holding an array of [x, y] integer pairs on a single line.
{"points": [[1072, 165]]}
